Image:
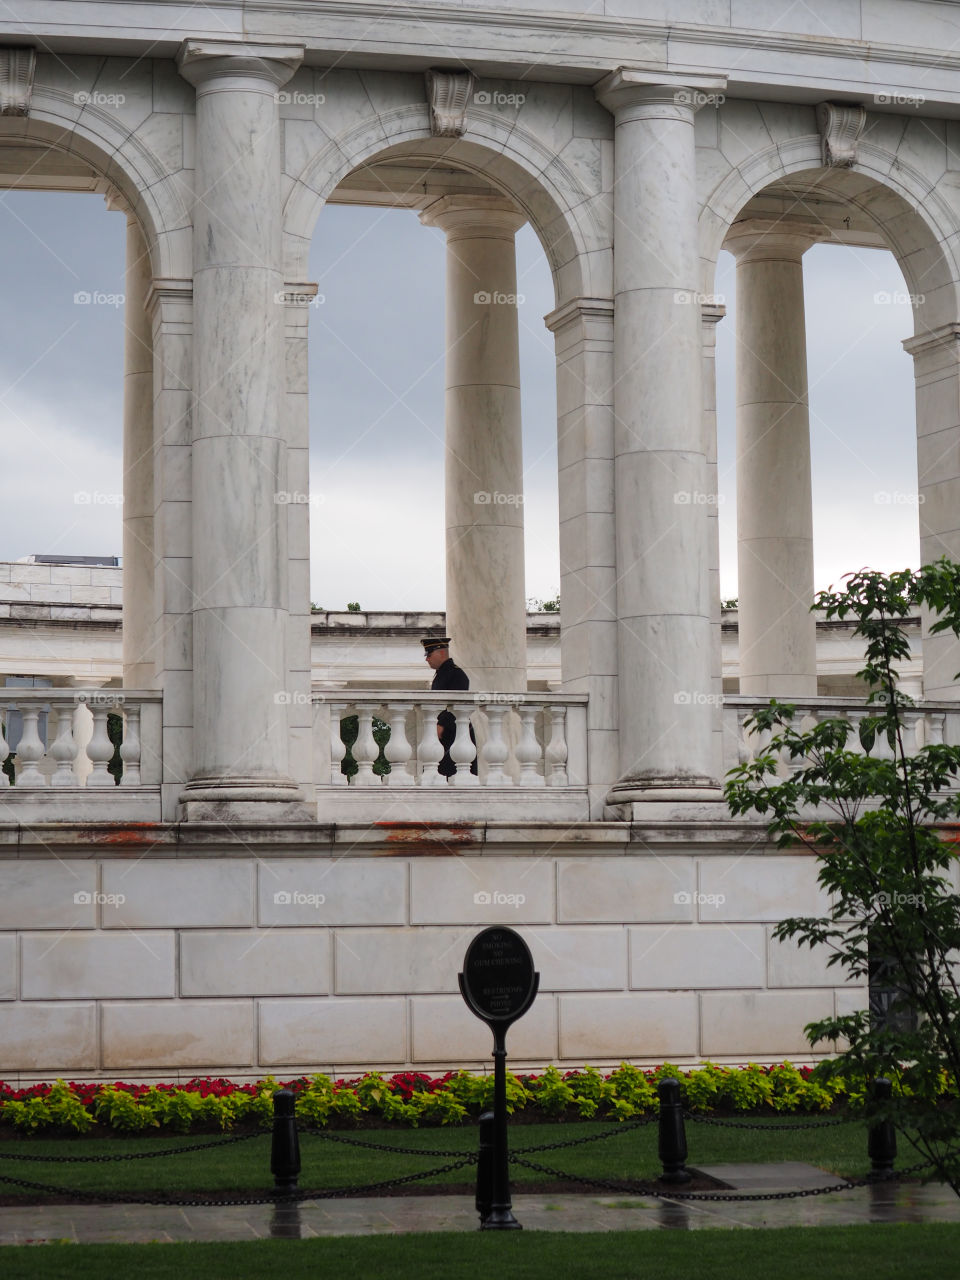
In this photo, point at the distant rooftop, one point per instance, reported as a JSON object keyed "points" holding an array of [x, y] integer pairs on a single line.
{"points": [[107, 562]]}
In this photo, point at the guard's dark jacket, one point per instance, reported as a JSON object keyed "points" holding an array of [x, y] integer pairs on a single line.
{"points": [[449, 676]]}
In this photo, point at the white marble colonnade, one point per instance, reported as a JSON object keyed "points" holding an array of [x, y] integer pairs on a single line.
{"points": [[485, 591], [668, 747], [240, 756], [777, 631]]}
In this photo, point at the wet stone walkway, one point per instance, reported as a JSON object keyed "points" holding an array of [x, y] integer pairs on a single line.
{"points": [[116, 1223]]}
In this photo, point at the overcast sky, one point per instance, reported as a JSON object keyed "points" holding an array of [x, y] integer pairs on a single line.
{"points": [[376, 402]]}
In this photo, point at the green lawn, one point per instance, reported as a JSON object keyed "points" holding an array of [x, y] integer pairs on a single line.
{"points": [[244, 1167], [828, 1253]]}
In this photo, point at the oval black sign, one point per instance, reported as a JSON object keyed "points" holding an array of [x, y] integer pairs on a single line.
{"points": [[498, 979]]}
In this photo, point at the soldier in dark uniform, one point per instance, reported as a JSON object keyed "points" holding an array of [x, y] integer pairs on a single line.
{"points": [[447, 675]]}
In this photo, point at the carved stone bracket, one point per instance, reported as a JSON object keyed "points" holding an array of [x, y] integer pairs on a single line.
{"points": [[448, 93], [840, 128], [17, 66]]}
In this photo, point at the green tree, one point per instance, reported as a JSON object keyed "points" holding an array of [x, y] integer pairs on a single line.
{"points": [[875, 818]]}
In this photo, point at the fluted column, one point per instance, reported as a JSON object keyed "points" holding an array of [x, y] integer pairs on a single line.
{"points": [[138, 459], [667, 747], [777, 631], [240, 587], [486, 603]]}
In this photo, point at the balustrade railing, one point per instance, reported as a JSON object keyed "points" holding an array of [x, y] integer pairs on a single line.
{"points": [[58, 738], [924, 723], [521, 745]]}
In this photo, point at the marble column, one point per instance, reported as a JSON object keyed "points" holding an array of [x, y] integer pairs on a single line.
{"points": [[138, 456], [777, 631], [668, 749], [240, 765], [486, 603], [936, 366]]}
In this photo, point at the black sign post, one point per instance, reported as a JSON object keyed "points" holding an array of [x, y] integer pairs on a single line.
{"points": [[499, 984]]}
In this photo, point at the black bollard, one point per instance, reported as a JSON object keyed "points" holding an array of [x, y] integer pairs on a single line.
{"points": [[485, 1166], [500, 1217], [673, 1138], [285, 1149], [882, 1138]]}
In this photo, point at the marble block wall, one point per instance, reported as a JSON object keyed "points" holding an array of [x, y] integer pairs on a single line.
{"points": [[338, 958]]}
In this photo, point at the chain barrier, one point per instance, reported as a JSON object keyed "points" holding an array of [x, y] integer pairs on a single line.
{"points": [[137, 1155], [374, 1146], [591, 1137], [772, 1128], [291, 1197], [642, 1189]]}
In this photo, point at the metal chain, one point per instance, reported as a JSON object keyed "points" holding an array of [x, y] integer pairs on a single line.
{"points": [[135, 1155], [771, 1128], [374, 1146], [643, 1190], [336, 1193]]}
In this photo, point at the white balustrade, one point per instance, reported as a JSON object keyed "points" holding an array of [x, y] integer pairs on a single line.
{"points": [[46, 754], [547, 751], [925, 723]]}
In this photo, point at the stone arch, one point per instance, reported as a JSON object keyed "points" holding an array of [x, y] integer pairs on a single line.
{"points": [[122, 160], [570, 219], [919, 227]]}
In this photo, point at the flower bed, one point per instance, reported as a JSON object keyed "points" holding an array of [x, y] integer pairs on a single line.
{"points": [[410, 1098]]}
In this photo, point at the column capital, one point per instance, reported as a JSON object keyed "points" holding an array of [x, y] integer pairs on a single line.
{"points": [[214, 65], [940, 339], [771, 239], [639, 94], [466, 217], [579, 309]]}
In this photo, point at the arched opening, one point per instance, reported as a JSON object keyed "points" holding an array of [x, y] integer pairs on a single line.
{"points": [[828, 333]]}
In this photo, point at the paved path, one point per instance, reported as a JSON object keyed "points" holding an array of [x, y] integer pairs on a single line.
{"points": [[885, 1202]]}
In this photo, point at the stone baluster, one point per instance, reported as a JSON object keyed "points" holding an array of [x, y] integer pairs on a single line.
{"points": [[430, 750], [462, 750], [63, 749], [555, 754], [30, 750], [912, 722], [934, 728], [528, 749], [338, 747], [744, 753], [495, 752], [130, 746], [365, 750], [100, 748], [4, 747], [398, 750]]}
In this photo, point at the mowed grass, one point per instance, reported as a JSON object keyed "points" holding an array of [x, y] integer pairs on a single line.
{"points": [[244, 1168], [827, 1253]]}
